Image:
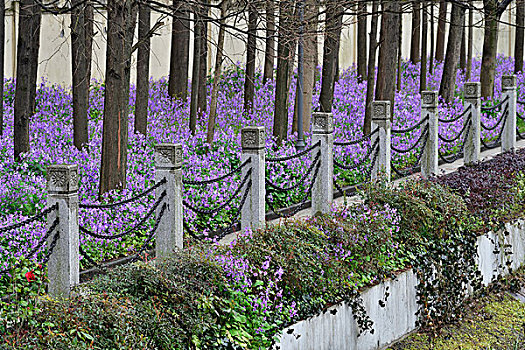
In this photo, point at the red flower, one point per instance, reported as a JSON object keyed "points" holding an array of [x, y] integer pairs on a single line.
{"points": [[30, 276]]}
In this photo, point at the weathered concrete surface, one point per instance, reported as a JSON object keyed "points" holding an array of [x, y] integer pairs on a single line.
{"points": [[322, 190]]}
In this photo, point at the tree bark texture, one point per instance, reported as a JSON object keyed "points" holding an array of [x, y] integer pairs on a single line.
{"points": [[2, 72], [518, 44], [203, 78], [251, 47], [361, 40], [371, 68], [399, 58], [448, 80], [424, 48], [463, 49], [490, 48], [81, 46], [470, 42], [440, 42], [180, 52], [432, 40], [142, 94], [26, 73], [195, 75], [416, 32], [116, 99], [270, 41], [332, 39]]}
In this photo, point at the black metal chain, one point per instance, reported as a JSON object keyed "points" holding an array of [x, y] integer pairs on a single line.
{"points": [[503, 117], [297, 155], [303, 200], [89, 260], [130, 230], [497, 142], [498, 106], [151, 234], [225, 204], [222, 177], [412, 169], [411, 148], [456, 155], [51, 248], [298, 183], [355, 142], [520, 102], [29, 220], [520, 135], [520, 116], [454, 119], [466, 125], [413, 127], [126, 201], [368, 174], [361, 162]]}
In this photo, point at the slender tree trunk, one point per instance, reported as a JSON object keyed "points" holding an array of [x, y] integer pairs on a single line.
{"points": [[424, 46], [361, 40], [518, 44], [81, 46], [399, 58], [270, 41], [490, 48], [180, 52], [334, 21], [195, 76], [440, 44], [202, 97], [448, 80], [432, 41], [470, 42], [251, 47], [463, 49], [284, 57], [389, 39], [216, 76], [116, 99], [26, 73], [141, 105], [2, 73], [416, 32], [371, 68]]}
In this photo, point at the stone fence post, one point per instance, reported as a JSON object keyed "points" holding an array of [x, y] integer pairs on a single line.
{"points": [[63, 264], [168, 165], [253, 142], [508, 138], [323, 188], [429, 161], [381, 120], [472, 146]]}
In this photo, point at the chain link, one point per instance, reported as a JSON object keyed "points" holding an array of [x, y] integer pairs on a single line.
{"points": [[497, 142], [150, 235], [413, 127], [466, 125], [498, 106], [29, 220], [504, 116], [456, 155], [412, 169], [520, 116], [301, 180], [423, 134], [222, 177], [520, 135], [361, 162], [454, 119], [51, 248], [297, 155], [355, 142], [126, 201]]}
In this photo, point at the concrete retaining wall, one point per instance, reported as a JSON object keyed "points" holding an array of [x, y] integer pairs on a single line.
{"points": [[337, 329]]}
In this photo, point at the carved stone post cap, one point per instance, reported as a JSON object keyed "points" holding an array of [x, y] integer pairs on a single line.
{"points": [[472, 90], [253, 137], [380, 110], [62, 179], [508, 82], [429, 99], [168, 155], [322, 123]]}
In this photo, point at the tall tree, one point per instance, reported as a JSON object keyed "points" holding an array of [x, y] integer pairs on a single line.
{"points": [[251, 47], [389, 39], [399, 58], [203, 62], [424, 48], [470, 41], [2, 73], [26, 73], [442, 19], [448, 80], [371, 68], [361, 39], [143, 55], [195, 75], [463, 49], [180, 51], [81, 46], [493, 9], [518, 43], [121, 15], [332, 39], [416, 32], [431, 58], [269, 53]]}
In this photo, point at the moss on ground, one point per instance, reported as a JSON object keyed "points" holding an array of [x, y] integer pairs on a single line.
{"points": [[493, 322]]}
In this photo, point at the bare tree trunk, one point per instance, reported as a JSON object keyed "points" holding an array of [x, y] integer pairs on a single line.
{"points": [[440, 44], [518, 44], [216, 76], [490, 48], [141, 105], [251, 47], [332, 38], [116, 100], [26, 73], [470, 42], [371, 68], [448, 80], [399, 58], [424, 45], [195, 76], [463, 49], [389, 39], [2, 73], [270, 41], [284, 57], [361, 40], [202, 97], [431, 63], [416, 32], [180, 52]]}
